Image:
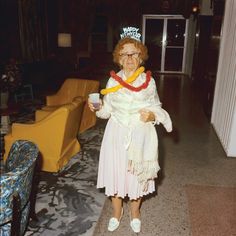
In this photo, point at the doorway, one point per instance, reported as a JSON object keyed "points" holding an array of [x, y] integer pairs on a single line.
{"points": [[166, 39]]}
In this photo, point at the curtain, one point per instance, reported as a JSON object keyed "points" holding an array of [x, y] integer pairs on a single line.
{"points": [[33, 29]]}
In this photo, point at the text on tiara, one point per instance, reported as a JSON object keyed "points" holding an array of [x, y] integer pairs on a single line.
{"points": [[131, 32]]}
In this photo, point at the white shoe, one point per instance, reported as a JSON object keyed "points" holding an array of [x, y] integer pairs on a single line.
{"points": [[135, 225], [114, 223]]}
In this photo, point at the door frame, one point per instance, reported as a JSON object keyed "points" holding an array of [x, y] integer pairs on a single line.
{"points": [[165, 18]]}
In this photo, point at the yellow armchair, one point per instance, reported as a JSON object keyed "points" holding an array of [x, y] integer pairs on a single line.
{"points": [[71, 88], [55, 135]]}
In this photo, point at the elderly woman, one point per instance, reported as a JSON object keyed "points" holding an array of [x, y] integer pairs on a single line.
{"points": [[128, 161]]}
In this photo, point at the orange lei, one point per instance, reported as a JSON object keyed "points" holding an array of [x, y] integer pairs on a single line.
{"points": [[129, 80]]}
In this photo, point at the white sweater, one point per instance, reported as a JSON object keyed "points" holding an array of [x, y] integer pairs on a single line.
{"points": [[124, 105]]}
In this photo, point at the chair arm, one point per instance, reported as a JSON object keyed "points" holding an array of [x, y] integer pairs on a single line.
{"points": [[46, 133], [27, 131], [48, 123]]}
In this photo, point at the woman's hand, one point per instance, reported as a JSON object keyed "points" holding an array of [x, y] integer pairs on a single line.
{"points": [[146, 115], [95, 107]]}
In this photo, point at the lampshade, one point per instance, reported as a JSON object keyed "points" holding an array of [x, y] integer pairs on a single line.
{"points": [[64, 40]]}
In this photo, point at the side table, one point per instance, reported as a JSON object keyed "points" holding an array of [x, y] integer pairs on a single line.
{"points": [[5, 127]]}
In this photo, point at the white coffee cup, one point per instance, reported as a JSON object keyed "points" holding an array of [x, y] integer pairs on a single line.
{"points": [[94, 98]]}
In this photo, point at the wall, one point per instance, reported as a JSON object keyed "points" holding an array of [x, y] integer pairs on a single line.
{"points": [[224, 105]]}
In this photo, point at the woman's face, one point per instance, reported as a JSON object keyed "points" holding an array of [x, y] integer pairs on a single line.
{"points": [[129, 57]]}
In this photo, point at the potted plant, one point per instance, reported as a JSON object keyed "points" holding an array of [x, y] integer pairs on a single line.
{"points": [[10, 80]]}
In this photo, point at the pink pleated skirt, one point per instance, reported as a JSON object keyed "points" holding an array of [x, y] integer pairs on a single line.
{"points": [[113, 165]]}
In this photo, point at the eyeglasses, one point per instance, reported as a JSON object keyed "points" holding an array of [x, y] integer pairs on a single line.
{"points": [[127, 55]]}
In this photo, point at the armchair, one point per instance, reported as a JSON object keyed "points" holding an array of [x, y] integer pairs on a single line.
{"points": [[55, 135], [17, 181], [71, 88]]}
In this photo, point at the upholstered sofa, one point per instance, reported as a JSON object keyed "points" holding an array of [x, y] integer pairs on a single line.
{"points": [[71, 88], [16, 183], [54, 133]]}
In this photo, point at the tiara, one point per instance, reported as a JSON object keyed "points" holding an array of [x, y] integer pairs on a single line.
{"points": [[131, 32]]}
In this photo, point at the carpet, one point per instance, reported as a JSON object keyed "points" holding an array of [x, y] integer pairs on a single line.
{"points": [[212, 210], [68, 202]]}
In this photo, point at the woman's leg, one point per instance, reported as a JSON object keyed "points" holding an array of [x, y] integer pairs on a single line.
{"points": [[135, 221], [135, 208], [117, 206]]}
